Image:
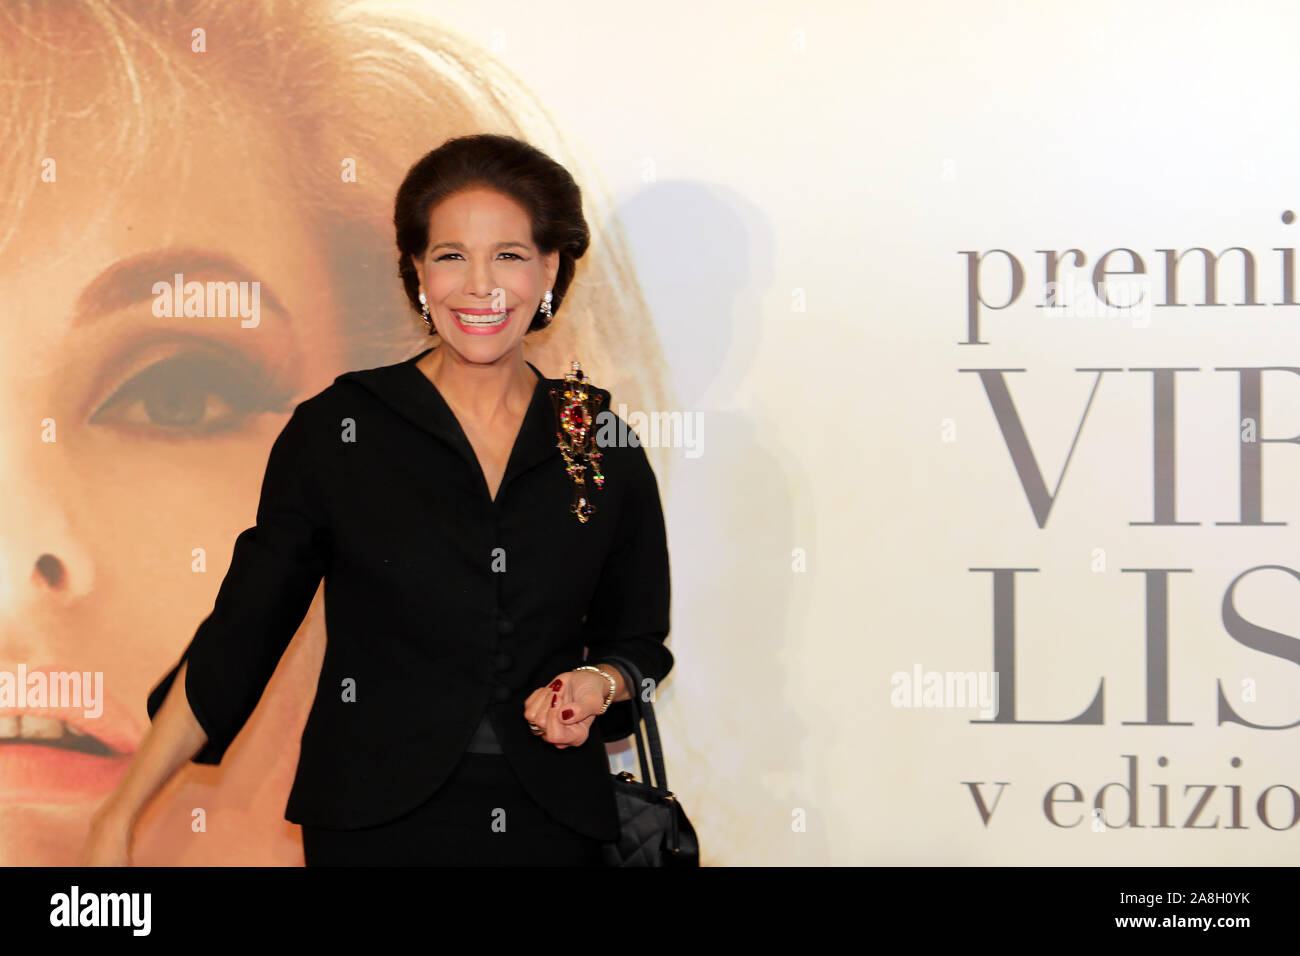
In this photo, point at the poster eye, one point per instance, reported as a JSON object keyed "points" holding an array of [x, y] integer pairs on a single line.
{"points": [[192, 392]]}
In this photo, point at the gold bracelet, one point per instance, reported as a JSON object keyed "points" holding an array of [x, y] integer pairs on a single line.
{"points": [[609, 698]]}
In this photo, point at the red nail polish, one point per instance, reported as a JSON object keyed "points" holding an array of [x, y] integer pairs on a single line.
{"points": [[567, 713], [556, 684], [554, 698]]}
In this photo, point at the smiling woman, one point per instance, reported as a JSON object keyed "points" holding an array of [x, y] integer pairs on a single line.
{"points": [[137, 439], [419, 607]]}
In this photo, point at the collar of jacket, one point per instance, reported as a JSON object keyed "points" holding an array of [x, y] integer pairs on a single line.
{"points": [[408, 391]]}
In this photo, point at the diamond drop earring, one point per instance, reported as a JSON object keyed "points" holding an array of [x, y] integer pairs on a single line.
{"points": [[546, 308], [424, 311]]}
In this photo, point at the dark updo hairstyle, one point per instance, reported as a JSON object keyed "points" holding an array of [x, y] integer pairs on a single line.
{"points": [[509, 166]]}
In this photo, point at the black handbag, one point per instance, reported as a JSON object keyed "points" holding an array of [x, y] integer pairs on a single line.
{"points": [[653, 825]]}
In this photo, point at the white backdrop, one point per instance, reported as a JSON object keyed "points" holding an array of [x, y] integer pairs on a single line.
{"points": [[836, 158]]}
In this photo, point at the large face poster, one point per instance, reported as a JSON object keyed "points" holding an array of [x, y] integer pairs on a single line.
{"points": [[960, 336], [157, 149]]}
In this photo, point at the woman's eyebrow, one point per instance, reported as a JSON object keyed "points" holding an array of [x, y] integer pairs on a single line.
{"points": [[461, 247], [131, 280]]}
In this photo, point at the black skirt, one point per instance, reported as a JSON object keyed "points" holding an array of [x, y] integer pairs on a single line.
{"points": [[481, 816]]}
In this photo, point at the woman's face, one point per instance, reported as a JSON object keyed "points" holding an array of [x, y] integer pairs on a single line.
{"points": [[482, 275], [135, 443]]}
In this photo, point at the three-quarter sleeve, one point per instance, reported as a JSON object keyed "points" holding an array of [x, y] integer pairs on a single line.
{"points": [[274, 573], [629, 613]]}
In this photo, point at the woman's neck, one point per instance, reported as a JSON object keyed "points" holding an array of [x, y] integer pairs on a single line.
{"points": [[481, 392]]}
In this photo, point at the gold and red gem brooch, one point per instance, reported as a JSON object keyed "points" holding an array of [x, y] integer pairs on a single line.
{"points": [[576, 407]]}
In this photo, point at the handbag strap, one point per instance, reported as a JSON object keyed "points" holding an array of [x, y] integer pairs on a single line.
{"points": [[642, 710]]}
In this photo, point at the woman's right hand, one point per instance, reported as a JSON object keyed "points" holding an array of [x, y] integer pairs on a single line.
{"points": [[173, 737], [109, 840]]}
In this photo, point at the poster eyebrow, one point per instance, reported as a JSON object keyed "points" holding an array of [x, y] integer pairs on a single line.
{"points": [[130, 281]]}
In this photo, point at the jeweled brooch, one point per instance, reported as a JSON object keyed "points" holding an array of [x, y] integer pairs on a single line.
{"points": [[576, 406]]}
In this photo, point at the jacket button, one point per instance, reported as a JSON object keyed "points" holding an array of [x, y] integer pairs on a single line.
{"points": [[501, 692], [505, 627], [501, 661]]}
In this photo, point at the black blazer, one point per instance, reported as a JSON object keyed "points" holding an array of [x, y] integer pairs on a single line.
{"points": [[440, 602]]}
